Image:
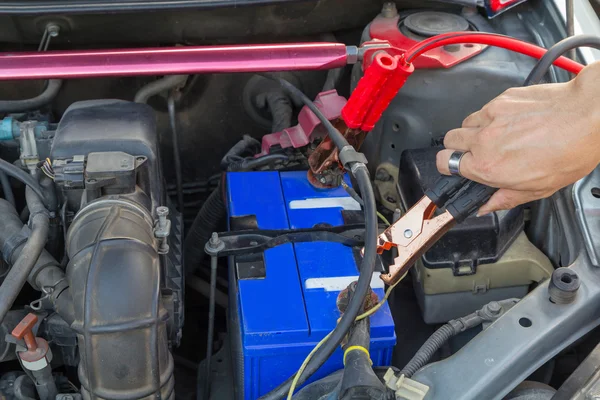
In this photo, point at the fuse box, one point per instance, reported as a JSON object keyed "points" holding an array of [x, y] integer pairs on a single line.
{"points": [[283, 302]]}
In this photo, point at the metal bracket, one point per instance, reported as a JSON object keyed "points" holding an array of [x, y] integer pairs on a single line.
{"points": [[256, 241], [586, 195]]}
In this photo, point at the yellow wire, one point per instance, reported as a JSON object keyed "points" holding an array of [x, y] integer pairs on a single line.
{"points": [[383, 219], [304, 364], [360, 317]]}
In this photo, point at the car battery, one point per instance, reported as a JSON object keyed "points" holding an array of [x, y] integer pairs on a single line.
{"points": [[283, 301]]}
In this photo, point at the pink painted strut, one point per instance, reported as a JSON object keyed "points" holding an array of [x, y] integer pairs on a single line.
{"points": [[172, 60]]}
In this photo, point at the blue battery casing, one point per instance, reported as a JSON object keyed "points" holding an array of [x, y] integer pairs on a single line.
{"points": [[281, 316]]}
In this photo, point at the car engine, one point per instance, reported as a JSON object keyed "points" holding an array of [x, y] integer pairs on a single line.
{"points": [[209, 200]]}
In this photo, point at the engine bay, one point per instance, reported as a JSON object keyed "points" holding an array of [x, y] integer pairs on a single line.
{"points": [[248, 207]]}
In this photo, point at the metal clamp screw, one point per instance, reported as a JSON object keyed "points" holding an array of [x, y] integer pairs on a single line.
{"points": [[162, 229], [214, 245]]}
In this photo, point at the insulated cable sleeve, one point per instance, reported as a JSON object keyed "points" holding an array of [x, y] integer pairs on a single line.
{"points": [[474, 196], [429, 348], [560, 48], [444, 188], [489, 39]]}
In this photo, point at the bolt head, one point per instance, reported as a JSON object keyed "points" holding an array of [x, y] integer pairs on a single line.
{"points": [[389, 9], [214, 239], [162, 211], [494, 307], [53, 30], [408, 233]]}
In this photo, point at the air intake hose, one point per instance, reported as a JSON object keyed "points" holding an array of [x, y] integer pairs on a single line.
{"points": [[114, 277]]}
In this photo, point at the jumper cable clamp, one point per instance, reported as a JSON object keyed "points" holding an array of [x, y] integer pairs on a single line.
{"points": [[455, 198], [374, 92]]}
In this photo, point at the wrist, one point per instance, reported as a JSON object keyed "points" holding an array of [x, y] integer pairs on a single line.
{"points": [[587, 96]]}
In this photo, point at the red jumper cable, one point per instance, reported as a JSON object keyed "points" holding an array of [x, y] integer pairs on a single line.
{"points": [[386, 70], [414, 233]]}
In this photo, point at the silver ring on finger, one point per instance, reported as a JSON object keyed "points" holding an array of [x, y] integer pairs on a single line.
{"points": [[454, 162]]}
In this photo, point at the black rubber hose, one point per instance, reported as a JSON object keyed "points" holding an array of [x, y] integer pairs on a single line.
{"points": [[176, 151], [204, 225], [159, 86], [46, 272], [7, 189], [20, 175], [49, 94], [541, 68], [427, 351], [18, 274], [281, 110], [333, 78]]}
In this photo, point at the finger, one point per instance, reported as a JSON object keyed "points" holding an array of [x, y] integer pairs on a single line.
{"points": [[505, 199], [461, 139], [466, 163], [478, 119]]}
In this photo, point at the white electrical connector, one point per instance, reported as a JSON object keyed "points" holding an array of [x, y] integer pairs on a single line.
{"points": [[405, 388]]}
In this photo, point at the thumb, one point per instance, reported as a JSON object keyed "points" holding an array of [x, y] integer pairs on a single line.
{"points": [[505, 199]]}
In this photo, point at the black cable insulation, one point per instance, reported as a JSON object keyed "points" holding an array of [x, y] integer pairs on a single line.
{"points": [[361, 174], [541, 68]]}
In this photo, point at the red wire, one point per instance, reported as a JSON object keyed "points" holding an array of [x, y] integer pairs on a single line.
{"points": [[489, 39]]}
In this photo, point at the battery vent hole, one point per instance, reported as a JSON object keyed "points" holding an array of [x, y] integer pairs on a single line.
{"points": [[525, 322], [596, 192]]}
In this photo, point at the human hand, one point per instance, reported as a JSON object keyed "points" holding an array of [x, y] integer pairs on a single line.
{"points": [[530, 141]]}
